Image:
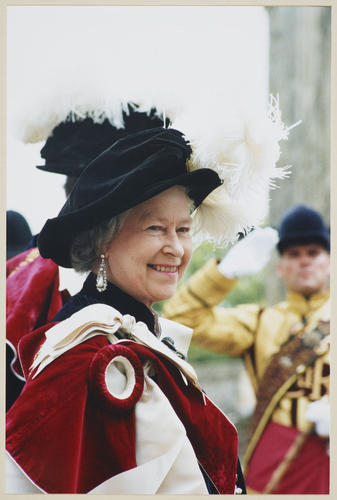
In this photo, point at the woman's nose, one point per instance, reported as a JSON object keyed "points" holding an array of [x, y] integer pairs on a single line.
{"points": [[173, 246]]}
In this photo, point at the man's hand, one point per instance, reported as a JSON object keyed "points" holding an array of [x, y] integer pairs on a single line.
{"points": [[250, 255]]}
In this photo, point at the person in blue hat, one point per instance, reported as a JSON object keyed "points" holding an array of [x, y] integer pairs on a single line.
{"points": [[18, 233], [285, 348]]}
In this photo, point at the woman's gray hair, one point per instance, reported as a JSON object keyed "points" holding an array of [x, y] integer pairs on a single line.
{"points": [[88, 245]]}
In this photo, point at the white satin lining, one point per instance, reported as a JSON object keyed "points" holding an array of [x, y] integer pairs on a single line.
{"points": [[17, 481], [166, 462], [120, 377]]}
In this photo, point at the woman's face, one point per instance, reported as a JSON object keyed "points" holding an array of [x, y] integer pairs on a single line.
{"points": [[150, 253]]}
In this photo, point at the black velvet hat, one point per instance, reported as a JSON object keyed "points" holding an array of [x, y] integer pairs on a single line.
{"points": [[302, 225], [132, 170], [74, 143]]}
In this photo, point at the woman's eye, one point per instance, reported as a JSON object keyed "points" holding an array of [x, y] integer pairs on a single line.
{"points": [[183, 230], [154, 228]]}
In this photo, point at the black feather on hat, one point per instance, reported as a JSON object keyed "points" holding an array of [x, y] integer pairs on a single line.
{"points": [[73, 143], [132, 170]]}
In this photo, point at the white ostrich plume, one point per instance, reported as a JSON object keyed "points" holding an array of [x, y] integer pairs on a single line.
{"points": [[243, 148], [240, 144], [34, 118]]}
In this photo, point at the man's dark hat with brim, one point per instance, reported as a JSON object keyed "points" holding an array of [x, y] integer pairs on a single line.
{"points": [[18, 233], [132, 170], [302, 225]]}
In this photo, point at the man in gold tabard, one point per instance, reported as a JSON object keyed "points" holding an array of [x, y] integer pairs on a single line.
{"points": [[285, 349]]}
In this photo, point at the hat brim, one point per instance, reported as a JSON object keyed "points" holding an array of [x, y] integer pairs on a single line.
{"points": [[61, 168], [304, 238], [57, 235]]}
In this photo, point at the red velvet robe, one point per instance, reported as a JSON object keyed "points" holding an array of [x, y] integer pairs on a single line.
{"points": [[68, 436], [32, 296]]}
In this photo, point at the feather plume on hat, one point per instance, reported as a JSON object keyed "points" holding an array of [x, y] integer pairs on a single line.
{"points": [[243, 148], [92, 80], [34, 118], [240, 144]]}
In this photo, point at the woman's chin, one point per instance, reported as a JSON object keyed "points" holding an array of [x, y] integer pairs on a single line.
{"points": [[165, 294]]}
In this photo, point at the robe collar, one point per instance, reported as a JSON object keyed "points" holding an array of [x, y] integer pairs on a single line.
{"points": [[112, 296]]}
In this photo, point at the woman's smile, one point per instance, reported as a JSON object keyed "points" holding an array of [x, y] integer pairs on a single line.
{"points": [[164, 268]]}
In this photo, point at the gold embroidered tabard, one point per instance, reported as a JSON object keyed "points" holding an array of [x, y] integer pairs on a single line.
{"points": [[293, 363]]}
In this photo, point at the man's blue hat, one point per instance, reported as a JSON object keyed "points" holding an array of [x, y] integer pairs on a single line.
{"points": [[302, 225], [18, 233]]}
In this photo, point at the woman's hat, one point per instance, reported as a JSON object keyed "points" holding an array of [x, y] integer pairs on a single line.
{"points": [[234, 152], [302, 225], [132, 170], [77, 140]]}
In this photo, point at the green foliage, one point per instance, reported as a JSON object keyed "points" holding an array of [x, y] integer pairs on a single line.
{"points": [[249, 289], [201, 255], [197, 354]]}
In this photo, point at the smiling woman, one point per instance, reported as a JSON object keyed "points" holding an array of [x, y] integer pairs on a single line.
{"points": [[107, 374], [151, 252]]}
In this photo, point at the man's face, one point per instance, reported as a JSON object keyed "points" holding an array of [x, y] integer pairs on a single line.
{"points": [[305, 269]]}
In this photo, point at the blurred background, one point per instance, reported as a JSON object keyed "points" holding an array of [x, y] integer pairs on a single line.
{"points": [[194, 54]]}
